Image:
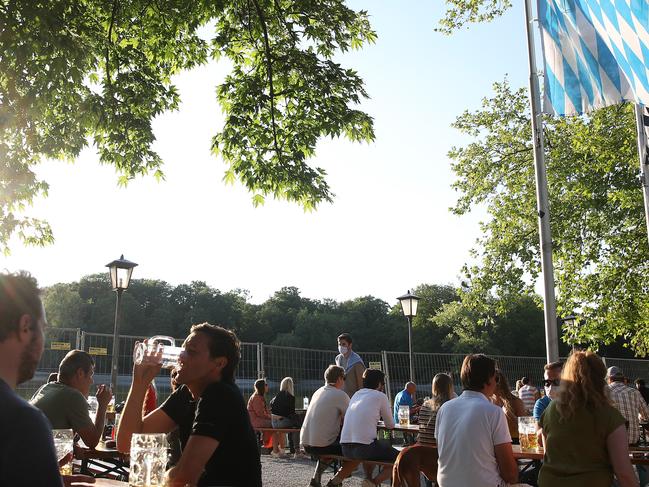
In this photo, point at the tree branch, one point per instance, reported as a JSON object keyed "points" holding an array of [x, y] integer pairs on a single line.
{"points": [[110, 40], [269, 66]]}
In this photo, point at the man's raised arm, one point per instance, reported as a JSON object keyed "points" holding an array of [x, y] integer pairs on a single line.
{"points": [[131, 420]]}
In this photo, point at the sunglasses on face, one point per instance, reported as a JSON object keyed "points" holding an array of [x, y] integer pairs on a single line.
{"points": [[549, 382]]}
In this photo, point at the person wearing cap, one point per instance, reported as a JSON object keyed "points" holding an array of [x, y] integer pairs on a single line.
{"points": [[628, 401]]}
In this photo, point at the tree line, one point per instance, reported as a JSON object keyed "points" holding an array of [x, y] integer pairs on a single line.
{"points": [[155, 307]]}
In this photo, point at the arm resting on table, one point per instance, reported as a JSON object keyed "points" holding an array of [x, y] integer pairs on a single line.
{"points": [[506, 462], [190, 467]]}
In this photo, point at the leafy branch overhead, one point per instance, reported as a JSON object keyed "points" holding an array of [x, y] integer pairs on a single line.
{"points": [[600, 240], [74, 72]]}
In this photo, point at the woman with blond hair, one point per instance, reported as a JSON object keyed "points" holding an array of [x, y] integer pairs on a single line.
{"points": [[512, 406], [282, 407], [584, 435]]}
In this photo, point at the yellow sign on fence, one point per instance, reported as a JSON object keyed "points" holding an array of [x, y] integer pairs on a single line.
{"points": [[375, 365], [97, 351], [60, 346]]}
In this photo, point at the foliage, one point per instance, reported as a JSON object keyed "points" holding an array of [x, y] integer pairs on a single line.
{"points": [[154, 307], [599, 235], [461, 12], [75, 72]]}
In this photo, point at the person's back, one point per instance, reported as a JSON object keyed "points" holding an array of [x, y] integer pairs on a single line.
{"points": [[322, 422], [628, 401], [64, 406], [27, 455], [528, 395], [467, 428]]}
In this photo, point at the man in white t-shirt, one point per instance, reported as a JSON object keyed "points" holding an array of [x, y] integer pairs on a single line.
{"points": [[358, 437], [473, 440], [320, 433]]}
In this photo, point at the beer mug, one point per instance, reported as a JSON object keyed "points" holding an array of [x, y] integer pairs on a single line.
{"points": [[64, 445], [148, 460], [527, 433], [404, 415], [169, 351]]}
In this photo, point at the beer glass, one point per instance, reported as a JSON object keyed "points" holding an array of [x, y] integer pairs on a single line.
{"points": [[169, 352], [93, 405], [527, 433], [64, 445], [148, 460], [404, 415]]}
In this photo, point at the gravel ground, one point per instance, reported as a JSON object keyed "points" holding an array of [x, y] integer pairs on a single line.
{"points": [[285, 472]]}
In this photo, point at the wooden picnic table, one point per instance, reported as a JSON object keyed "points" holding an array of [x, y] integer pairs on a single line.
{"points": [[102, 461], [102, 483], [410, 428]]}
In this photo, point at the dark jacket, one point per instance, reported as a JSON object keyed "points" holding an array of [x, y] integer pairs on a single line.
{"points": [[283, 404]]}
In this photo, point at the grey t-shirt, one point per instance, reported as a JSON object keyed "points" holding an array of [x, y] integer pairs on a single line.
{"points": [[27, 455], [64, 406]]}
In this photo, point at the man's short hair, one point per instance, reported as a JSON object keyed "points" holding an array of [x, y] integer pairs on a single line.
{"points": [[223, 343], [19, 296], [73, 361], [553, 366], [640, 382], [373, 378], [476, 371], [525, 380], [345, 336], [333, 373]]}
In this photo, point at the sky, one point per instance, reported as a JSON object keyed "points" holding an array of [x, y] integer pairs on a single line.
{"points": [[388, 229]]}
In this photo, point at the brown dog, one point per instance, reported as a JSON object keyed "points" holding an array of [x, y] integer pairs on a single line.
{"points": [[412, 460]]}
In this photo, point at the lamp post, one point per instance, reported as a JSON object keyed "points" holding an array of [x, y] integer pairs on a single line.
{"points": [[120, 276], [569, 323], [409, 307]]}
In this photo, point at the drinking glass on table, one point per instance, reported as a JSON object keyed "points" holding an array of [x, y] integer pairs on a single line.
{"points": [[64, 445], [404, 415], [148, 460], [93, 405], [527, 433]]}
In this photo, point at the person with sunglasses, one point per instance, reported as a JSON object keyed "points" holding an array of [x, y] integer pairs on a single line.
{"points": [[551, 383]]}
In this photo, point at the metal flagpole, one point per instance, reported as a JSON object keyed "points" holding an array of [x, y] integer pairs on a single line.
{"points": [[543, 207], [644, 158]]}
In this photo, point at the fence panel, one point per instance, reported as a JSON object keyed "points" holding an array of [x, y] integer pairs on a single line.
{"points": [[58, 342]]}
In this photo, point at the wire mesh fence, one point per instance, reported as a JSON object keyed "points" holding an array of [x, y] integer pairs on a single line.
{"points": [[305, 366]]}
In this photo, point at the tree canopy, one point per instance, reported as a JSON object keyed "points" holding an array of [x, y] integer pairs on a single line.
{"points": [[153, 307], [600, 240], [75, 73]]}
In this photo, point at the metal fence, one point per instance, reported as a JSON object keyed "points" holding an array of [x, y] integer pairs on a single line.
{"points": [[305, 366]]}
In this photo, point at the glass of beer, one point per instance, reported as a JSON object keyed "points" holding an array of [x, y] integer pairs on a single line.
{"points": [[64, 445], [148, 460], [527, 433], [169, 352], [404, 415]]}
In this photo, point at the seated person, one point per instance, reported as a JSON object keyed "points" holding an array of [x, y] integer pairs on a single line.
{"points": [[320, 433], [282, 409], [219, 446], [358, 437], [406, 398], [65, 402]]}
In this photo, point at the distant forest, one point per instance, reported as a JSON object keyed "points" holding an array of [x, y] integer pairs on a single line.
{"points": [[443, 322]]}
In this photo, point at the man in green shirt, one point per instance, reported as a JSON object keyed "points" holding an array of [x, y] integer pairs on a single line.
{"points": [[65, 402]]}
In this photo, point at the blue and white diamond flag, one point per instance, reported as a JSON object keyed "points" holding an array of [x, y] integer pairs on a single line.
{"points": [[596, 53]]}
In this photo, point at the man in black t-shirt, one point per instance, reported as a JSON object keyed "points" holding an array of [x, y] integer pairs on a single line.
{"points": [[218, 442]]}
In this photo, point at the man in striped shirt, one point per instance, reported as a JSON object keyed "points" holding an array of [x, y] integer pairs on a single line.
{"points": [[528, 394], [628, 401]]}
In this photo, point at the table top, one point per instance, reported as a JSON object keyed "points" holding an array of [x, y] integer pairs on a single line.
{"points": [[101, 483], [413, 428], [99, 452]]}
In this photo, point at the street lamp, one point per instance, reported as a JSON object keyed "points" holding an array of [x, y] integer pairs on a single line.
{"points": [[409, 307], [120, 276], [569, 323]]}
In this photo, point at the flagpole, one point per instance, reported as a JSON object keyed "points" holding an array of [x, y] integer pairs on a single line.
{"points": [[644, 160], [543, 207]]}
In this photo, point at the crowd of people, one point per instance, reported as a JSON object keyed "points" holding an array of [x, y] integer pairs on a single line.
{"points": [[587, 416]]}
